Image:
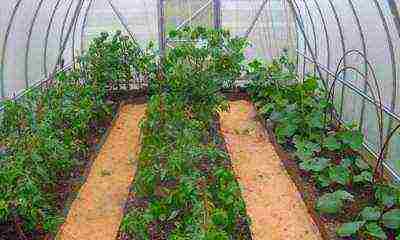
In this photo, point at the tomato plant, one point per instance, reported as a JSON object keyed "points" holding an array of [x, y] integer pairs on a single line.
{"points": [[184, 179], [46, 134]]}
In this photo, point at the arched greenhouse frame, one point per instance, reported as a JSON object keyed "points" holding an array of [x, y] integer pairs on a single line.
{"points": [[54, 54]]}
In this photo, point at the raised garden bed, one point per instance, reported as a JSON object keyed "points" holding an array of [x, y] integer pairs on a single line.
{"points": [[347, 198], [185, 186], [50, 136]]}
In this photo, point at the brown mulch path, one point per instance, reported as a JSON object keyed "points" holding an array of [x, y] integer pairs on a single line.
{"points": [[273, 202], [98, 209]]}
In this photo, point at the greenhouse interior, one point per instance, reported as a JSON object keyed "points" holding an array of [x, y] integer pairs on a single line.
{"points": [[199, 119]]}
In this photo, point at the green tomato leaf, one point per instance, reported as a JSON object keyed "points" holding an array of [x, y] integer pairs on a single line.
{"points": [[347, 162], [341, 194], [323, 180], [267, 109], [329, 204], [306, 149], [354, 139]]}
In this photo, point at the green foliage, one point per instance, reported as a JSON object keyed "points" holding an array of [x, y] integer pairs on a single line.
{"points": [[211, 59], [315, 165], [387, 195], [112, 60], [352, 139], [46, 134], [349, 229], [391, 219], [136, 223], [331, 143], [364, 177], [191, 191], [374, 230], [332, 203], [371, 213], [326, 151]]}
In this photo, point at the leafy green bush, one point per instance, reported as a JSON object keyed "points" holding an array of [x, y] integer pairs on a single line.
{"points": [[184, 177], [303, 115], [46, 134]]}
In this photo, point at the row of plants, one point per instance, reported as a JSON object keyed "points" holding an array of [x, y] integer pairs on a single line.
{"points": [[47, 136], [326, 152], [185, 187]]}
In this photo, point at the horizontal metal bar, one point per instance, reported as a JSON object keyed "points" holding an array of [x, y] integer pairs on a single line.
{"points": [[351, 86], [394, 174]]}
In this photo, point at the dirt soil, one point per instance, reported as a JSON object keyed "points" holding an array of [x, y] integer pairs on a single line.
{"points": [[272, 199], [98, 209]]}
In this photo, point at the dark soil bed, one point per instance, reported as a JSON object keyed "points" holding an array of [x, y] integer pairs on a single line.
{"points": [[68, 185], [161, 230], [307, 187], [310, 193]]}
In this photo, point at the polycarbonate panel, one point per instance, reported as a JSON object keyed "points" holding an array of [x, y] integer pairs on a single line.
{"points": [[260, 37], [179, 11], [272, 31], [42, 31], [237, 15], [140, 17], [14, 58], [205, 18], [6, 11], [35, 39]]}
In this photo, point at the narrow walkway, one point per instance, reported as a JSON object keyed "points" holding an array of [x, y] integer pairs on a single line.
{"points": [[97, 211], [273, 202]]}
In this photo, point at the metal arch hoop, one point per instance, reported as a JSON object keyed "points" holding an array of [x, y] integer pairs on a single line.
{"points": [[56, 6], [4, 49]]}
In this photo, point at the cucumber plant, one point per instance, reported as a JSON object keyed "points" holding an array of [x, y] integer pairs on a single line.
{"points": [[303, 119]]}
